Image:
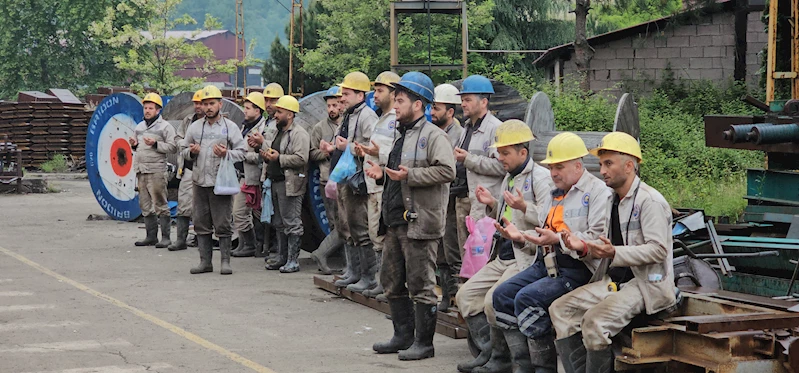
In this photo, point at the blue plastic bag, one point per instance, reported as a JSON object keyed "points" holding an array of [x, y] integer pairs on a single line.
{"points": [[345, 167]]}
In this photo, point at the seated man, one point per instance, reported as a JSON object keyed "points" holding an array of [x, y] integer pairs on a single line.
{"points": [[636, 259], [580, 208]]}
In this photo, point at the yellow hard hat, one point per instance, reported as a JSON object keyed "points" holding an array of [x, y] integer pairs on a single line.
{"points": [[289, 103], [620, 142], [357, 81], [154, 98], [512, 132], [257, 99], [198, 96], [387, 78], [565, 147], [211, 91], [273, 90]]}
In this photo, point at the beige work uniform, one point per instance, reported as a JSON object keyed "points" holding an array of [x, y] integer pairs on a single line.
{"points": [[150, 165], [355, 207], [449, 251], [324, 130], [185, 200], [645, 220], [243, 215], [383, 134], [475, 295]]}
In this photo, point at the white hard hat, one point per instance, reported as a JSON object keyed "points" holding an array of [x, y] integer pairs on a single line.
{"points": [[447, 94]]}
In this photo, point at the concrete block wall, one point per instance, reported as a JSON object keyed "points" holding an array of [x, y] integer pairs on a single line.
{"points": [[756, 40]]}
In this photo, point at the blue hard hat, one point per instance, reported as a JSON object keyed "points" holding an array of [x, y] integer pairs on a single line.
{"points": [[476, 84], [332, 92], [417, 83]]}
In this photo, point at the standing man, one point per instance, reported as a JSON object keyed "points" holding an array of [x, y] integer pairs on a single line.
{"points": [[153, 139], [383, 136], [287, 167], [635, 258], [416, 182], [525, 194], [249, 171], [185, 199], [450, 254], [210, 141], [578, 212], [322, 135], [356, 127]]}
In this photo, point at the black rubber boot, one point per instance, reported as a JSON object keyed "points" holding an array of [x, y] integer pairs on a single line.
{"points": [[377, 290], [293, 264], [519, 351], [422, 347], [500, 355], [247, 239], [166, 225], [402, 318], [204, 244], [480, 331], [282, 253], [572, 354], [260, 239], [353, 273], [369, 266], [225, 245], [446, 282], [151, 226], [182, 231], [600, 361], [541, 353], [330, 245]]}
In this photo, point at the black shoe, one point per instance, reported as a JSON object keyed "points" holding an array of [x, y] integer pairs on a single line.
{"points": [[600, 361], [500, 355], [151, 226], [204, 244], [353, 273], [422, 348], [282, 249], [182, 232], [247, 240], [166, 225], [480, 331], [292, 264], [402, 318], [571, 352], [369, 266]]}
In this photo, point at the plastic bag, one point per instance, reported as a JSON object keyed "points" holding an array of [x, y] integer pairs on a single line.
{"points": [[227, 184], [345, 167], [331, 190], [478, 245]]}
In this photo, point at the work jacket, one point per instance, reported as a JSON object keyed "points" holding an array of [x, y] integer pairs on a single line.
{"points": [[383, 134], [482, 166], [294, 148], [149, 159], [535, 183], [252, 158], [206, 163], [324, 130], [645, 220], [183, 152], [454, 131], [427, 153]]}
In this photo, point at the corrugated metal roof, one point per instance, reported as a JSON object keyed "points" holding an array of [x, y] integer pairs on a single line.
{"points": [[190, 35]]}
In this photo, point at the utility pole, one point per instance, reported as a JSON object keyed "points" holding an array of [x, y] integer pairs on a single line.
{"points": [[294, 46], [240, 47]]}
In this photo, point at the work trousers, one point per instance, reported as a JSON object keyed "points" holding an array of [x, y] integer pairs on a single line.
{"points": [[243, 215], [288, 210], [409, 261], [450, 253], [212, 213], [331, 211], [523, 300], [152, 194], [599, 313], [373, 207], [185, 200], [357, 216], [476, 295], [463, 207], [342, 227]]}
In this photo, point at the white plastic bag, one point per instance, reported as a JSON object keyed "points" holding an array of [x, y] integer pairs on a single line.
{"points": [[227, 184]]}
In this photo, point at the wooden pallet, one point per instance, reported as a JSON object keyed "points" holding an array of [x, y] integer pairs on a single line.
{"points": [[450, 324]]}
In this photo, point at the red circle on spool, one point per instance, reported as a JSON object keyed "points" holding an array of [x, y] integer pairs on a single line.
{"points": [[121, 157]]}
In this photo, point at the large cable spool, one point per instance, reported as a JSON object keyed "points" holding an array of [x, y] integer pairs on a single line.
{"points": [[109, 157]]}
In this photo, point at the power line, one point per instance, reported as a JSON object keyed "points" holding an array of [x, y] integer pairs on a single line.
{"points": [[284, 7]]}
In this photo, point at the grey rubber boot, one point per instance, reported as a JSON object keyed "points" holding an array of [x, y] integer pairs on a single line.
{"points": [[225, 246], [571, 352], [282, 253], [402, 318], [422, 348], [353, 273], [330, 245], [369, 266], [446, 283], [480, 331], [260, 239], [151, 226], [377, 290], [500, 355], [181, 232], [292, 264], [247, 240], [519, 351], [166, 225], [204, 244], [542, 354], [600, 361]]}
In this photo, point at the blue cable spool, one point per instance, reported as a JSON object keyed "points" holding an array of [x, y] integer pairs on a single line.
{"points": [[109, 157]]}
